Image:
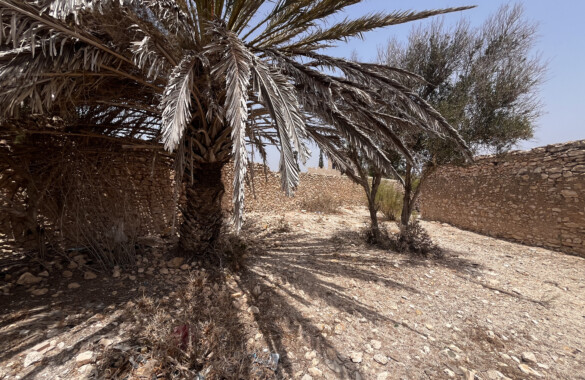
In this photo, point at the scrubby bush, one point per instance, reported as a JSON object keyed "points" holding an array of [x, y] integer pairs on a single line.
{"points": [[415, 240], [322, 202]]}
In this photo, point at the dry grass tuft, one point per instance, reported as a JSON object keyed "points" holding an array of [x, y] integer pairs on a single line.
{"points": [[323, 202], [196, 334]]}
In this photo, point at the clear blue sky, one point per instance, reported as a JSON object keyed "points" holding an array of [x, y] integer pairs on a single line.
{"points": [[561, 43]]}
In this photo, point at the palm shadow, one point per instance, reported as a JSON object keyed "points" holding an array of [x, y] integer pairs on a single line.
{"points": [[302, 269]]}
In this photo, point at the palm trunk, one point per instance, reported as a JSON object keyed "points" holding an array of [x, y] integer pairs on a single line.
{"points": [[202, 212]]}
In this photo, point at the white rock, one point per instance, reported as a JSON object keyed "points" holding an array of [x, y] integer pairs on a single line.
{"points": [[383, 375], [316, 372], [253, 310], [32, 357], [105, 342], [381, 359], [86, 370], [376, 344], [175, 262], [449, 373], [40, 292], [494, 375], [356, 357], [307, 377], [528, 357], [42, 346], [311, 355], [84, 358], [527, 370]]}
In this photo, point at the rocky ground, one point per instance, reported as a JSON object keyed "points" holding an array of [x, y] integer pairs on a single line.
{"points": [[313, 301]]}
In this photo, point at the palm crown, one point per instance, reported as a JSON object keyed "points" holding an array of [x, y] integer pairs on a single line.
{"points": [[207, 77]]}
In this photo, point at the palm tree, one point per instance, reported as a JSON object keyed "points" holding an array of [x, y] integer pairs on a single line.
{"points": [[206, 78]]}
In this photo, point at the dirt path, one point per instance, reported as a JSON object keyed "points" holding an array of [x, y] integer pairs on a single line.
{"points": [[477, 310], [332, 307]]}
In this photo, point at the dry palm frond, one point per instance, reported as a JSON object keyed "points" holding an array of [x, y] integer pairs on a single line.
{"points": [[235, 68], [176, 102]]}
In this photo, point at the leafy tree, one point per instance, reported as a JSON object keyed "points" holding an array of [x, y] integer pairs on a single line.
{"points": [[485, 82], [207, 78]]}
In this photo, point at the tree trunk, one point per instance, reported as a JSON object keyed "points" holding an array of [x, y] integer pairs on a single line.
{"points": [[407, 198], [376, 179], [202, 212]]}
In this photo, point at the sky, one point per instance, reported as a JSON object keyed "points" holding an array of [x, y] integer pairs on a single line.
{"points": [[561, 44]]}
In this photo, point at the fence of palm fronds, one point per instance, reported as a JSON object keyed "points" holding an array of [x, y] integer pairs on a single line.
{"points": [[62, 190]]}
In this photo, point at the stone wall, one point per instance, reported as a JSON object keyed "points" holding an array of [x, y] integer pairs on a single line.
{"points": [[536, 197], [266, 193], [105, 199], [123, 197]]}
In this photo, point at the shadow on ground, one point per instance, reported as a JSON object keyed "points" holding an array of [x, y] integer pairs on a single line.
{"points": [[282, 266]]}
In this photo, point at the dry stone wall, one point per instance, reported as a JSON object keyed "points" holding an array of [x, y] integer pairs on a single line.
{"points": [[536, 197], [265, 193]]}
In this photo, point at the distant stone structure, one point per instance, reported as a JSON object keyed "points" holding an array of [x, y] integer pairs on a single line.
{"points": [[535, 197], [322, 171]]}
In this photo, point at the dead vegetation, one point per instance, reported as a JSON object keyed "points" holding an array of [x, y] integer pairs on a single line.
{"points": [[323, 203], [59, 193], [195, 334]]}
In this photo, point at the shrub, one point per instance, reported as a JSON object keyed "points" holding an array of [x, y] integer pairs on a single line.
{"points": [[389, 201], [322, 202], [414, 239]]}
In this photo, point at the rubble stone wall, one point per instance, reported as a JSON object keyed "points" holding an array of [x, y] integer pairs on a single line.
{"points": [[266, 193], [536, 197]]}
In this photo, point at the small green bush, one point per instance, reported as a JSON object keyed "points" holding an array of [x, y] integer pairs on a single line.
{"points": [[389, 201]]}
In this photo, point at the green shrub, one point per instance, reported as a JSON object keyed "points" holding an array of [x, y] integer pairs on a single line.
{"points": [[389, 201]]}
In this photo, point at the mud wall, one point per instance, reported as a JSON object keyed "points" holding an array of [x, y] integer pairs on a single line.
{"points": [[536, 197]]}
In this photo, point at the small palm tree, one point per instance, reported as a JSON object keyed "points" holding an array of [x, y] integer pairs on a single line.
{"points": [[206, 78]]}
